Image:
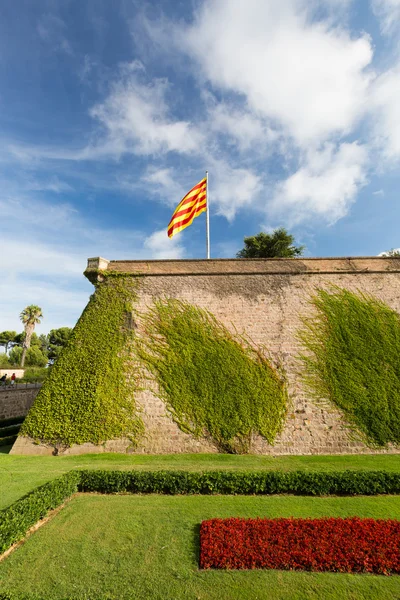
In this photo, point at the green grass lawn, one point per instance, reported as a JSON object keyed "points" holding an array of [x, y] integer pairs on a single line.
{"points": [[20, 474], [146, 547]]}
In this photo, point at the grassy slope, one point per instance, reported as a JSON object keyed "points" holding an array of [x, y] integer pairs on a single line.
{"points": [[20, 474], [124, 547]]}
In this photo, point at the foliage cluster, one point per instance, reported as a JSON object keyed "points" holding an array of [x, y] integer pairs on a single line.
{"points": [[278, 244], [214, 383], [31, 374], [42, 349], [393, 252], [353, 360], [9, 429], [23, 514], [87, 396], [35, 374], [4, 362], [56, 341], [7, 339], [351, 545], [34, 356], [305, 483]]}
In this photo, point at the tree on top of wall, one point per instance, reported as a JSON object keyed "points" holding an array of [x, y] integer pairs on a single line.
{"points": [[392, 252], [278, 244]]}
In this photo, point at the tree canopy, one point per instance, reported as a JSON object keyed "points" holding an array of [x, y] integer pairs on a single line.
{"points": [[7, 339], [392, 252], [42, 348], [30, 316], [58, 338], [278, 244], [34, 357]]}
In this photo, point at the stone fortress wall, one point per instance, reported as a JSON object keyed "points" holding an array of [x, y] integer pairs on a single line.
{"points": [[16, 402], [264, 299]]}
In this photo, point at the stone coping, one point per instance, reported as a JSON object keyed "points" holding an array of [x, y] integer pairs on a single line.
{"points": [[240, 266]]}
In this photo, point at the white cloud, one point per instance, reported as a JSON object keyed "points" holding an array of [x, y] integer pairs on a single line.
{"points": [[163, 183], [136, 118], [294, 83], [51, 29], [232, 189], [34, 215], [388, 12], [87, 68], [385, 113], [35, 257], [160, 245], [324, 187], [242, 127], [133, 118], [308, 76], [52, 185]]}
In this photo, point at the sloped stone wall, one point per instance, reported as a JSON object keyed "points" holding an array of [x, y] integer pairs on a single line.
{"points": [[264, 299]]}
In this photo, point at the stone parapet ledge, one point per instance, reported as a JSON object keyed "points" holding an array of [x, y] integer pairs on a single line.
{"points": [[240, 266], [94, 266]]}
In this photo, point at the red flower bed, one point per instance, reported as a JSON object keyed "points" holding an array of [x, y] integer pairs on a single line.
{"points": [[332, 544]]}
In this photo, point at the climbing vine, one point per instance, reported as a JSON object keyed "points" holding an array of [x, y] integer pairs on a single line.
{"points": [[214, 383], [89, 395], [352, 359]]}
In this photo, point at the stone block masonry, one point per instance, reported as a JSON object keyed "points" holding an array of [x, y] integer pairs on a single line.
{"points": [[16, 402], [265, 300]]}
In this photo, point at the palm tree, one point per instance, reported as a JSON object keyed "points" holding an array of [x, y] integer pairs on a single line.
{"points": [[29, 317]]}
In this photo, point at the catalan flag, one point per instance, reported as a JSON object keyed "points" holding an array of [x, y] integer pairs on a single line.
{"points": [[191, 206]]}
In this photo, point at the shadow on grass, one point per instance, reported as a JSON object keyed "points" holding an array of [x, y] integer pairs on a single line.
{"points": [[195, 548]]}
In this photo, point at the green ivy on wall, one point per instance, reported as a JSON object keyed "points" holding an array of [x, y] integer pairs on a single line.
{"points": [[88, 396], [214, 383], [353, 361]]}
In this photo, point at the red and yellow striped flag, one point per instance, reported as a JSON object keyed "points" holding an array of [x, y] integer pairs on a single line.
{"points": [[191, 206]]}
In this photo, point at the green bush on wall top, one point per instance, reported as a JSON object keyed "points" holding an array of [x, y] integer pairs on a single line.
{"points": [[214, 384], [353, 361], [87, 396]]}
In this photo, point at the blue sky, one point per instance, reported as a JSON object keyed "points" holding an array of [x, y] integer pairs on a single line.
{"points": [[110, 111]]}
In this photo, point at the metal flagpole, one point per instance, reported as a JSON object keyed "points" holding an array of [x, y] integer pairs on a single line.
{"points": [[207, 219]]}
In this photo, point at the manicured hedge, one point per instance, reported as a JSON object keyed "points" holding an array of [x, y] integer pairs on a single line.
{"points": [[11, 421], [350, 545], [9, 430], [23, 514], [7, 440], [242, 482]]}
